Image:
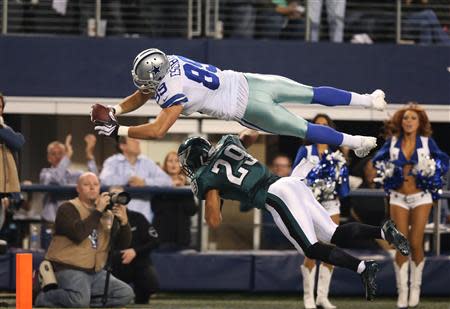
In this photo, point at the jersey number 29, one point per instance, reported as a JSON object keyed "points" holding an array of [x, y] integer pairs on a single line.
{"points": [[201, 73], [235, 153]]}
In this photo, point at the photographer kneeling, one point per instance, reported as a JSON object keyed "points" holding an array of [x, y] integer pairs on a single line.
{"points": [[79, 250]]}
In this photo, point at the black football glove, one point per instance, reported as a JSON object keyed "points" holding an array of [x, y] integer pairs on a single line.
{"points": [[110, 128]]}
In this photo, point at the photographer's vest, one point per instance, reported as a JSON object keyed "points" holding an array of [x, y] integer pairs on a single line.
{"points": [[9, 179], [92, 252]]}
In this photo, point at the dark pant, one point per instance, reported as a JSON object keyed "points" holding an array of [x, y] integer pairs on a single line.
{"points": [[81, 289], [141, 274]]}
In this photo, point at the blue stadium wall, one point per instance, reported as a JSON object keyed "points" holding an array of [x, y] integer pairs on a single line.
{"points": [[90, 67]]}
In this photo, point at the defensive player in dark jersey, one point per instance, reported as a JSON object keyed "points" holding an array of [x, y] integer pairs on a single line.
{"points": [[227, 171]]}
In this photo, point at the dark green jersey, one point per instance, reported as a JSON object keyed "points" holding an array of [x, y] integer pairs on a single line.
{"points": [[235, 173]]}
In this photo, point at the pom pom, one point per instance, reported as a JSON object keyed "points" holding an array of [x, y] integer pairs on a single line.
{"points": [[389, 175], [429, 176], [325, 178]]}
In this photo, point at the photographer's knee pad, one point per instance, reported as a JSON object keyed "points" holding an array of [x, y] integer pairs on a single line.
{"points": [[47, 278]]}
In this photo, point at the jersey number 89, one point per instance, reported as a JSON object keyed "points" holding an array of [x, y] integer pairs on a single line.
{"points": [[201, 73]]}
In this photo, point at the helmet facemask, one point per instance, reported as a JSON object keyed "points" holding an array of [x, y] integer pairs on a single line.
{"points": [[193, 154]]}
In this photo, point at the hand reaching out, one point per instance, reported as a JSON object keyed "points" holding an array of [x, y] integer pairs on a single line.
{"points": [[68, 144], [90, 141]]}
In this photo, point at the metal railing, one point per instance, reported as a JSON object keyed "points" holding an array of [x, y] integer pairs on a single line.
{"points": [[364, 21], [202, 233]]}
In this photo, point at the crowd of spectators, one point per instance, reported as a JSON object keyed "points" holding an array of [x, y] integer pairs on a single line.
{"points": [[423, 21], [164, 221]]}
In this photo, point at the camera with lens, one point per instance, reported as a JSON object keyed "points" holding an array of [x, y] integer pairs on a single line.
{"points": [[16, 200], [122, 198]]}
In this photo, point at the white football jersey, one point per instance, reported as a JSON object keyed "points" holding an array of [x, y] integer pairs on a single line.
{"points": [[200, 88]]}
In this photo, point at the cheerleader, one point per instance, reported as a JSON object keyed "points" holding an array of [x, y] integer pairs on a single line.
{"points": [[410, 166], [328, 179]]}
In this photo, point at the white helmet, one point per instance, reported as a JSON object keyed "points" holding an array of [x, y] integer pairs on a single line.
{"points": [[149, 68]]}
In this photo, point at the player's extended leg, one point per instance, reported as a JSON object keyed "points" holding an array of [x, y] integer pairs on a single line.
{"points": [[291, 202], [356, 230], [265, 115], [285, 90]]}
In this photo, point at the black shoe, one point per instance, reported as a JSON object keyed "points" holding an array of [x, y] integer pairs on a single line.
{"points": [[368, 279], [396, 238]]}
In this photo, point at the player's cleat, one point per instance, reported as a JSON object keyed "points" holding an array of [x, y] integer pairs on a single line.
{"points": [[367, 144], [393, 236], [368, 279], [377, 100]]}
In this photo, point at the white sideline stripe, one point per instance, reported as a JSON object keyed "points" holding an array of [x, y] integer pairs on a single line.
{"points": [[81, 106]]}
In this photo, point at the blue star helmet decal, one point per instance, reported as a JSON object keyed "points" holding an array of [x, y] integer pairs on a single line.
{"points": [[155, 70]]}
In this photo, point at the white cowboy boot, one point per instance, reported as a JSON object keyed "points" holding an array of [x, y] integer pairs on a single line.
{"points": [[323, 286], [308, 286], [416, 281], [401, 276]]}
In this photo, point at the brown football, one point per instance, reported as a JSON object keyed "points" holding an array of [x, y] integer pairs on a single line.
{"points": [[100, 113]]}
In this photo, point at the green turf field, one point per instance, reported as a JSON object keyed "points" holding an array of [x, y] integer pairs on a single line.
{"points": [[260, 301]]}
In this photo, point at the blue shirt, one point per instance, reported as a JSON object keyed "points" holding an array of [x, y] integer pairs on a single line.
{"points": [[117, 171], [59, 175], [385, 153]]}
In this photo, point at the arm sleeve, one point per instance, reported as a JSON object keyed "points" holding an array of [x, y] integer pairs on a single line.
{"points": [[55, 175], [13, 140], [123, 240], [92, 166], [110, 175], [148, 236], [301, 153], [170, 93], [383, 153], [68, 223], [157, 177], [438, 154]]}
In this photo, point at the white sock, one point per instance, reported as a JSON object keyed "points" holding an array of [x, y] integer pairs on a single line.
{"points": [[361, 267], [352, 141], [382, 235], [360, 100]]}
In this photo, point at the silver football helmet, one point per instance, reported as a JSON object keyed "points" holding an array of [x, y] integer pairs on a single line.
{"points": [[149, 68]]}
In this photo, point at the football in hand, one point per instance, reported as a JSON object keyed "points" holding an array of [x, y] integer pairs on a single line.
{"points": [[100, 113]]}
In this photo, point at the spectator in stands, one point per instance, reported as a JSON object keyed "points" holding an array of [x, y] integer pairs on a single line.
{"points": [[240, 17], [421, 21], [335, 14], [281, 165], [10, 143], [172, 168], [173, 213], [131, 168], [405, 163], [311, 156], [274, 15], [134, 264], [79, 250], [59, 156]]}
